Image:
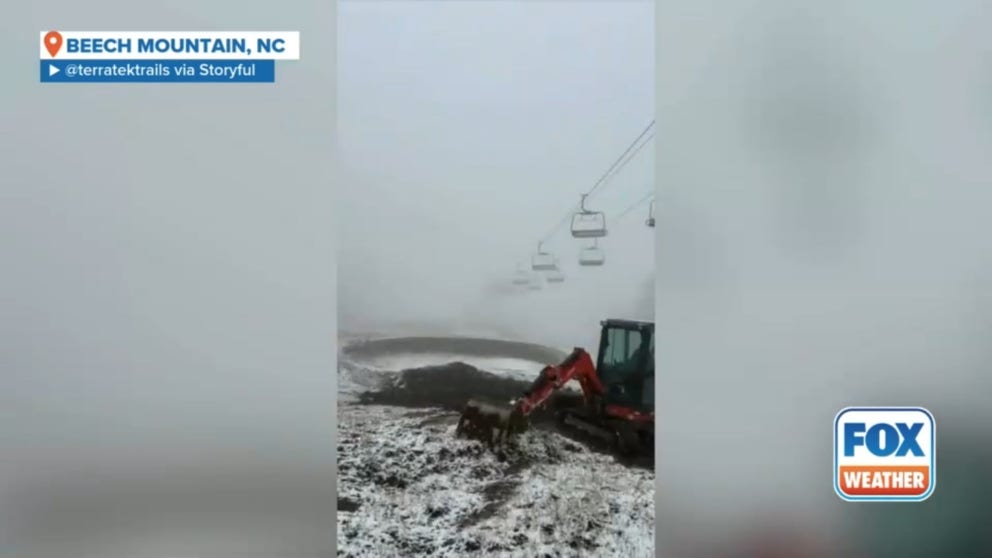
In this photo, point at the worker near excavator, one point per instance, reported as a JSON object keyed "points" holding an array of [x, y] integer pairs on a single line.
{"points": [[641, 352]]}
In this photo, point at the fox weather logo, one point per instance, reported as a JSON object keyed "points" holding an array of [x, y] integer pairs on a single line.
{"points": [[884, 454]]}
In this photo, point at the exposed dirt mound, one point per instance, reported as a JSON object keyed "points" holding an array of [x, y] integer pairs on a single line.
{"points": [[449, 386], [468, 346]]}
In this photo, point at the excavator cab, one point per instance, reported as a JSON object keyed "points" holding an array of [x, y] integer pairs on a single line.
{"points": [[625, 364]]}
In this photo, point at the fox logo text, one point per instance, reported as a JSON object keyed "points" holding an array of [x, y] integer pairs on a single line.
{"points": [[884, 454]]}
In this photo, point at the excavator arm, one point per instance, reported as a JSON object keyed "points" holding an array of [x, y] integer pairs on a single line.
{"points": [[577, 365], [619, 410]]}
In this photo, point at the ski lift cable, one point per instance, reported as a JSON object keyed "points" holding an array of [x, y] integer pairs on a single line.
{"points": [[636, 204], [619, 217], [631, 156], [622, 161], [565, 219], [617, 168], [617, 165], [623, 156]]}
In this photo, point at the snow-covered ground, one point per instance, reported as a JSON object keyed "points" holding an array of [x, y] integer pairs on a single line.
{"points": [[408, 487]]}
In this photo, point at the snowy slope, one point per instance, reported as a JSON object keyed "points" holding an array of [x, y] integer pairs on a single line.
{"points": [[408, 487]]}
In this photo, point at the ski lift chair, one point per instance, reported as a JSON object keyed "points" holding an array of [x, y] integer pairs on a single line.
{"points": [[542, 261], [535, 283], [555, 275], [592, 256], [521, 278], [587, 223], [650, 221]]}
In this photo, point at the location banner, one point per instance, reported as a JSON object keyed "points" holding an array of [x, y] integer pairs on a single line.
{"points": [[162, 57]]}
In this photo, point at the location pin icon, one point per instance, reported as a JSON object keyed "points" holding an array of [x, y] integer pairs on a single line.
{"points": [[53, 42]]}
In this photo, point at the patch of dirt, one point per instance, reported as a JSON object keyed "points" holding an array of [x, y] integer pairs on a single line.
{"points": [[450, 386], [347, 504], [418, 414], [458, 345], [441, 419]]}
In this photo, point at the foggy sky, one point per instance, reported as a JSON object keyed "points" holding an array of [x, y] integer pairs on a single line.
{"points": [[466, 131]]}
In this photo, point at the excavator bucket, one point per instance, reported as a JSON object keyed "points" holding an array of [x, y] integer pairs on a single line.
{"points": [[491, 423]]}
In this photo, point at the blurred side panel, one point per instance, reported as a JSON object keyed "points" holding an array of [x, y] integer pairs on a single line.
{"points": [[823, 241], [167, 298]]}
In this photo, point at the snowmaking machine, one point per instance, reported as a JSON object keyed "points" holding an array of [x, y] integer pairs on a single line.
{"points": [[617, 404]]}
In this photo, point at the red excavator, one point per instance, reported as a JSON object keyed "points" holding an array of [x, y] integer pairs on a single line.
{"points": [[618, 390]]}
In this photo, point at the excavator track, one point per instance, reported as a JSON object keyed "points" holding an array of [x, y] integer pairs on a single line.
{"points": [[620, 436]]}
